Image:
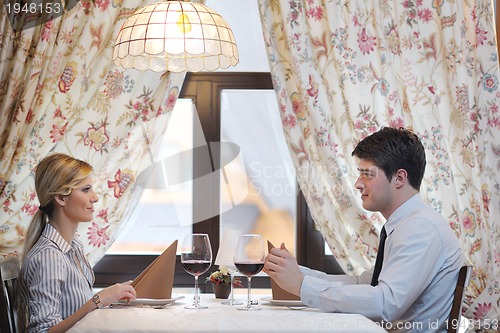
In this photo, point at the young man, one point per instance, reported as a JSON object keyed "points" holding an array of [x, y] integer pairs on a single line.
{"points": [[413, 292]]}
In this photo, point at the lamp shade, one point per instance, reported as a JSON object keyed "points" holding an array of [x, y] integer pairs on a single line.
{"points": [[175, 36]]}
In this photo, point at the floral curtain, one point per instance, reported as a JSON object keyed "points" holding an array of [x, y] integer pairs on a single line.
{"points": [[343, 69], [59, 91]]}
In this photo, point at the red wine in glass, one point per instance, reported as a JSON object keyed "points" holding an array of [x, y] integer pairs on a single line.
{"points": [[196, 259], [249, 268], [196, 267], [249, 260]]}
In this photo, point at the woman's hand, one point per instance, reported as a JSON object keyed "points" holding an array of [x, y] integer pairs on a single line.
{"points": [[107, 296], [117, 291]]}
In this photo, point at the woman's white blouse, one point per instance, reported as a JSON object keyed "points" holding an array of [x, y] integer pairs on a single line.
{"points": [[55, 284]]}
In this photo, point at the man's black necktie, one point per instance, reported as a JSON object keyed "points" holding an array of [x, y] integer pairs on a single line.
{"points": [[380, 257]]}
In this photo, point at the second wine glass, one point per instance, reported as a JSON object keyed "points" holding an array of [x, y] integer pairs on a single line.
{"points": [[196, 259], [249, 260]]}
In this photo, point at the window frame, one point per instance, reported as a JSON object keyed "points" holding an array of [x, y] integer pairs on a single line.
{"points": [[205, 91]]}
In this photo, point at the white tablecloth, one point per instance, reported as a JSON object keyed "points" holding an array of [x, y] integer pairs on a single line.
{"points": [[221, 318]]}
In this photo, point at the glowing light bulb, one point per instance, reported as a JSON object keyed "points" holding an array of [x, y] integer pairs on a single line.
{"points": [[183, 24]]}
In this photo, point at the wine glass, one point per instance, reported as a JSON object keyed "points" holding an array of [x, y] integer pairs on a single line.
{"points": [[225, 257], [249, 260], [196, 259]]}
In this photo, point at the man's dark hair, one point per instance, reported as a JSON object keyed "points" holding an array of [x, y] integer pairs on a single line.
{"points": [[392, 149]]}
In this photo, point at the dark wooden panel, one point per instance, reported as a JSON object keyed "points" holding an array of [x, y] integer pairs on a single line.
{"points": [[310, 242]]}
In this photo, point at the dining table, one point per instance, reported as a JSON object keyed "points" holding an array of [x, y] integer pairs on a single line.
{"points": [[273, 316]]}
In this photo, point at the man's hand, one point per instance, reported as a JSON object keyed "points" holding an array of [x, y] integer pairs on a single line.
{"points": [[282, 267]]}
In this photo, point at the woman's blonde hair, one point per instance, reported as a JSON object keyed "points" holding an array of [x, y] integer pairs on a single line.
{"points": [[57, 174]]}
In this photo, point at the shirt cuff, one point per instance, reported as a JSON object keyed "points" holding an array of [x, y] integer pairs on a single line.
{"points": [[311, 290]]}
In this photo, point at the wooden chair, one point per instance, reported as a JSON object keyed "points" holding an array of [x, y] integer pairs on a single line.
{"points": [[456, 308], [7, 305]]}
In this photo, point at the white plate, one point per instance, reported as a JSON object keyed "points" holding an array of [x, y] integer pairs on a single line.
{"points": [[283, 302], [150, 301]]}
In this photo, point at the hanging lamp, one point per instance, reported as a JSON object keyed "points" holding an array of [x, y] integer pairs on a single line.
{"points": [[175, 36]]}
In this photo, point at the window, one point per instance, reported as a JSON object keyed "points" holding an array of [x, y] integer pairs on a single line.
{"points": [[218, 101], [158, 219], [221, 100], [250, 118], [264, 175]]}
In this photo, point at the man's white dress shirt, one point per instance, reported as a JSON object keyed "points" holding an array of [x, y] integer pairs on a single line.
{"points": [[422, 258]]}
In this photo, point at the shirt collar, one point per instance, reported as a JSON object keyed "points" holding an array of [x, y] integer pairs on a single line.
{"points": [[52, 234], [401, 211]]}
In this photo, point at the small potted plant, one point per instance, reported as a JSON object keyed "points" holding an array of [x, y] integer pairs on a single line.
{"points": [[221, 282]]}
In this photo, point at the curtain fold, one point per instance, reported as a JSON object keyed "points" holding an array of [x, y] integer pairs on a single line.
{"points": [[59, 91], [341, 70]]}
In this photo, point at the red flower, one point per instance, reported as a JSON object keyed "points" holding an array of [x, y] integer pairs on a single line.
{"points": [[46, 31], [315, 13], [58, 113], [481, 310], [396, 123], [98, 236], [313, 89], [57, 132], [355, 21], [425, 14], [290, 121], [30, 209], [171, 99], [29, 116], [103, 214], [480, 35], [102, 4], [365, 42], [121, 183]]}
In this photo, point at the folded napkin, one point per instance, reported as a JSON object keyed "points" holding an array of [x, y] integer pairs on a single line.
{"points": [[157, 280], [278, 293]]}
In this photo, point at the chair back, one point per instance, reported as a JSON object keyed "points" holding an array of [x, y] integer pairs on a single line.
{"points": [[456, 308], [7, 305]]}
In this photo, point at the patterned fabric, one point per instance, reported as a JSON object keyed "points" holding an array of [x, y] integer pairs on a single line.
{"points": [[59, 91], [56, 286], [344, 69]]}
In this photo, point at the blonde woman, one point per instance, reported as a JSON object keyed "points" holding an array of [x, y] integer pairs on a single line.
{"points": [[56, 279]]}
